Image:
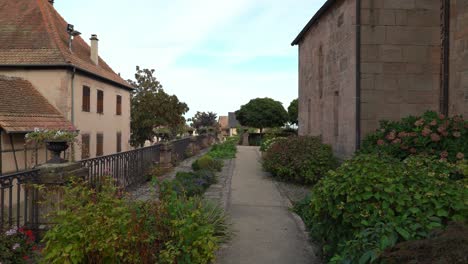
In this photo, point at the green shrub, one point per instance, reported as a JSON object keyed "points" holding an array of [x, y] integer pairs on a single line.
{"points": [[225, 150], [371, 202], [91, 227], [207, 162], [431, 134], [18, 245], [299, 159], [194, 183], [266, 144]]}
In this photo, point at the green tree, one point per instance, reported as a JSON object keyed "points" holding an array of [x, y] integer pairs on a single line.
{"points": [[151, 107], [204, 119], [293, 111], [262, 113]]}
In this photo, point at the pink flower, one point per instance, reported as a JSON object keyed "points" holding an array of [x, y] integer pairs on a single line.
{"points": [[435, 137], [460, 155], [380, 142], [444, 154], [457, 119], [433, 123], [426, 131], [441, 116], [391, 135], [420, 122], [402, 134], [396, 141], [456, 134], [413, 134]]}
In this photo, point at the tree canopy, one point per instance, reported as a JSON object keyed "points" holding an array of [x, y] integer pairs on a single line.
{"points": [[262, 113], [151, 107], [293, 111], [204, 119]]}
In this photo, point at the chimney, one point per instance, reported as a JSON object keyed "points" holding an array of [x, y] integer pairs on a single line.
{"points": [[94, 49]]}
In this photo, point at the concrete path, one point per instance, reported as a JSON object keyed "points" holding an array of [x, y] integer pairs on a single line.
{"points": [[265, 230]]}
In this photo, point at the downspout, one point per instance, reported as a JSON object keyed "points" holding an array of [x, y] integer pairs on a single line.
{"points": [[358, 74], [445, 73], [73, 110], [14, 152]]}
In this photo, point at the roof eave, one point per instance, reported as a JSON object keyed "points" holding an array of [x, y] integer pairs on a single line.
{"points": [[68, 66], [312, 21]]}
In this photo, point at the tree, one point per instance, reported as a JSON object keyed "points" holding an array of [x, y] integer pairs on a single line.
{"points": [[262, 113], [293, 111], [204, 119], [151, 107]]}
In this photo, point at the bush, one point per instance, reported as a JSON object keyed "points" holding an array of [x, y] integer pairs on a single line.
{"points": [[193, 183], [207, 163], [431, 134], [372, 202], [18, 246], [225, 150], [299, 159], [266, 144]]}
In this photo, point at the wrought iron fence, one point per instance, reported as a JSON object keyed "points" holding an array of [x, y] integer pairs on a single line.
{"points": [[179, 148], [127, 168], [18, 200]]}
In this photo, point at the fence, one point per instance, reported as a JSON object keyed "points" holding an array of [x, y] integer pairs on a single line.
{"points": [[126, 168], [179, 148], [18, 200]]}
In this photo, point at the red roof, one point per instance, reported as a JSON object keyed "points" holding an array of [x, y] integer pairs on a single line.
{"points": [[23, 108], [32, 33]]}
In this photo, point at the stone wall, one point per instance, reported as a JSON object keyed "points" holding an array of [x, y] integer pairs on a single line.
{"points": [[327, 61], [400, 61], [458, 92]]}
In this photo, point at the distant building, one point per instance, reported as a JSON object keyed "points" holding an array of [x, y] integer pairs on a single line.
{"points": [[223, 123], [361, 61], [46, 54], [232, 123]]}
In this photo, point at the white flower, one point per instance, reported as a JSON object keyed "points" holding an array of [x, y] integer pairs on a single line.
{"points": [[10, 232], [36, 129], [16, 246]]}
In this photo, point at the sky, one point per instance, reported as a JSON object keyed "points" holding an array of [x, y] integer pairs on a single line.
{"points": [[215, 55]]}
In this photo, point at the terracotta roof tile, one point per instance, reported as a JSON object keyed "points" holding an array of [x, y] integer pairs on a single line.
{"points": [[32, 32], [23, 108]]}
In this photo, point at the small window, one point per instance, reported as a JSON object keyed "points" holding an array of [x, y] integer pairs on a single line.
{"points": [[119, 142], [99, 144], [86, 105], [100, 102], [118, 110], [85, 146]]}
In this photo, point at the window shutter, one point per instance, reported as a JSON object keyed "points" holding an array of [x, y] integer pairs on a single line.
{"points": [[99, 144], [86, 99], [118, 110], [85, 146], [100, 102], [119, 141]]}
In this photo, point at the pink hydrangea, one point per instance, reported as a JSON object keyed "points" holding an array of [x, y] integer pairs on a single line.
{"points": [[435, 137]]}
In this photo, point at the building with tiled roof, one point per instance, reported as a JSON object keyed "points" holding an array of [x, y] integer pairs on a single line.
{"points": [[38, 46]]}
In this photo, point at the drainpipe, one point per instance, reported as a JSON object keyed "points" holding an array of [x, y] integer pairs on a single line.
{"points": [[445, 73], [73, 110], [358, 74]]}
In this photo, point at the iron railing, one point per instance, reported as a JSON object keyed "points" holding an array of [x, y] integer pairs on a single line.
{"points": [[179, 147], [18, 200], [126, 168]]}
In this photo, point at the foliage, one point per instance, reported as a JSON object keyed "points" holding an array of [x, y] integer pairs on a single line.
{"points": [[43, 135], [293, 111], [372, 202], [431, 133], [204, 119], [18, 246], [193, 183], [206, 162], [266, 144], [151, 107], [225, 150], [262, 113], [299, 159], [91, 227], [216, 217]]}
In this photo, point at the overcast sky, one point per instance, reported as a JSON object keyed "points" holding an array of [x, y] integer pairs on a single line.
{"points": [[215, 55]]}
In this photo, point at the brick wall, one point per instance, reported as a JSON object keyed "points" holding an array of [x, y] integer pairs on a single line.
{"points": [[327, 61], [400, 59], [458, 92]]}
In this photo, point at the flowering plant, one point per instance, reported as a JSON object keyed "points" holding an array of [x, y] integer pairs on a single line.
{"points": [[18, 245], [430, 134], [42, 135]]}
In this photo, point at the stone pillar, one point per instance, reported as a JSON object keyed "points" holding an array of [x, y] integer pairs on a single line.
{"points": [[48, 196], [193, 146], [245, 139], [165, 156], [205, 141]]}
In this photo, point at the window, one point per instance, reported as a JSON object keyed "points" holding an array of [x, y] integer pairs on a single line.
{"points": [[85, 146], [119, 141], [86, 105], [100, 102], [99, 144], [118, 110]]}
